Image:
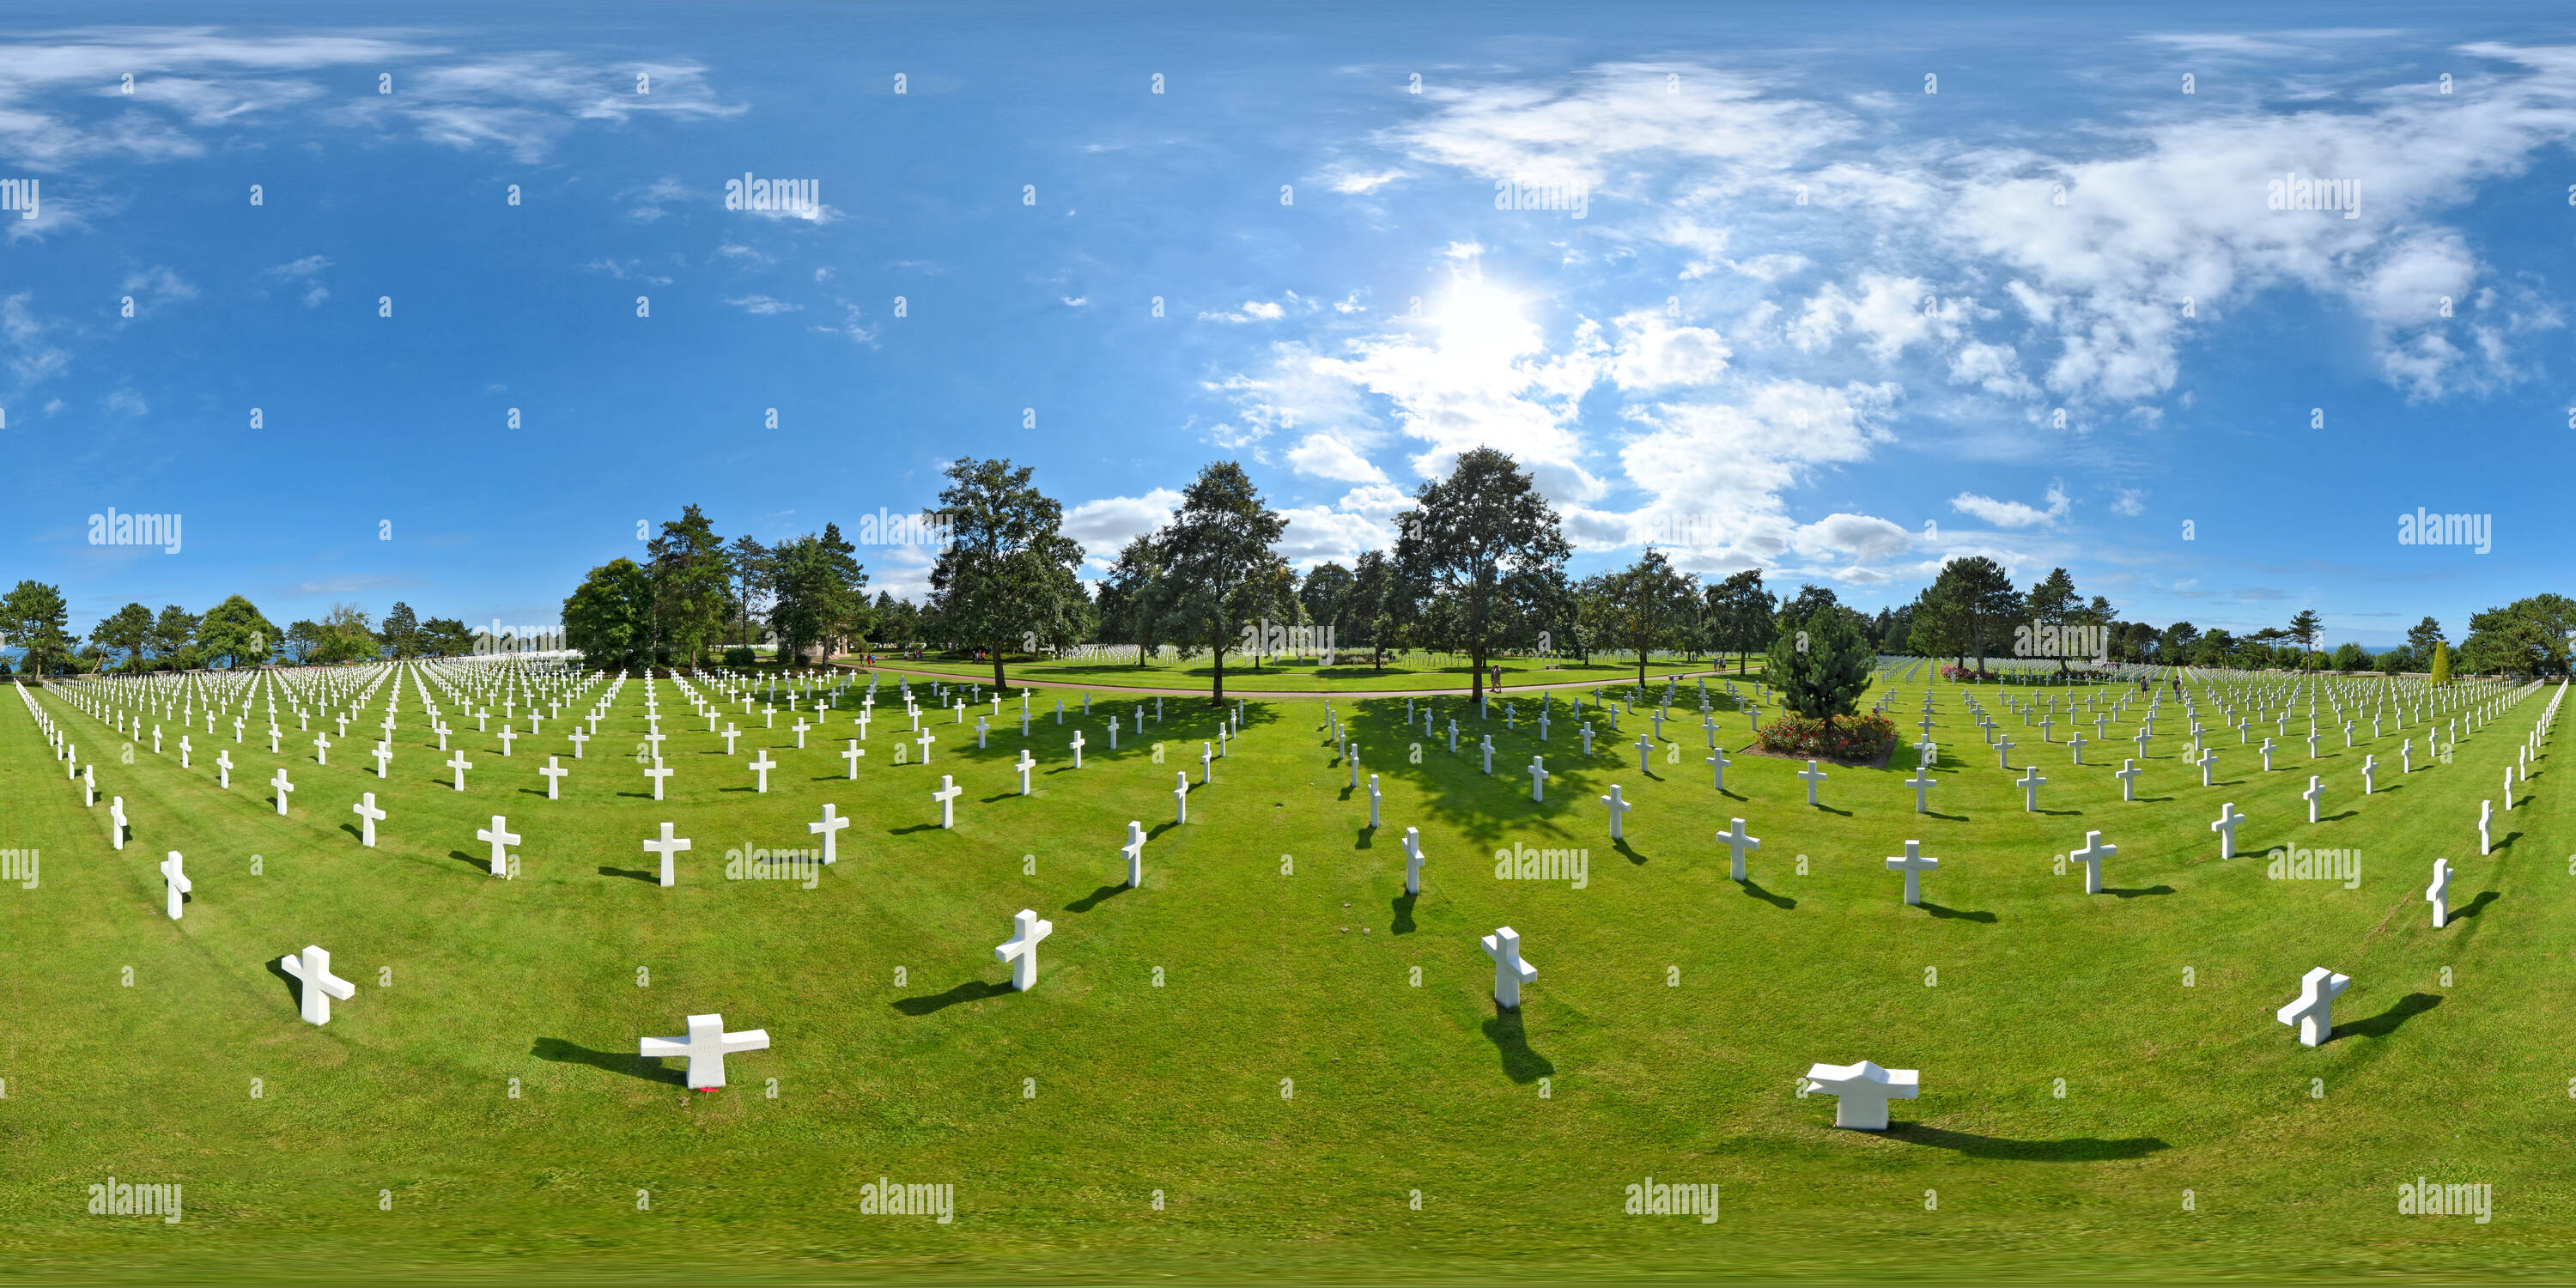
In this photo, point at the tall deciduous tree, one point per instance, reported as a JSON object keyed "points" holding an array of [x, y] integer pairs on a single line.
{"points": [[1467, 538], [1644, 606], [1985, 600], [127, 630], [753, 576], [1007, 577], [821, 592], [1131, 603], [1739, 613], [608, 619], [1220, 559], [236, 632]]}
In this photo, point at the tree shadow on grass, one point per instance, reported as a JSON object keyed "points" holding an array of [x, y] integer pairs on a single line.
{"points": [[2386, 1022], [1775, 900], [973, 990], [652, 877], [2474, 906], [2135, 891], [625, 1062], [1403, 923], [1520, 1063], [1959, 914], [2081, 1149], [1094, 899]]}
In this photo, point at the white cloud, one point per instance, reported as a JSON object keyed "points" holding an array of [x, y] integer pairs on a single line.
{"points": [[1654, 354], [2012, 514], [1252, 311], [763, 305], [1376, 500], [2130, 503], [1106, 525], [1330, 456], [126, 402], [155, 286], [1318, 533]]}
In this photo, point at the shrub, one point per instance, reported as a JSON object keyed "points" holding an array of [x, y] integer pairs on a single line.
{"points": [[1855, 738], [740, 656]]}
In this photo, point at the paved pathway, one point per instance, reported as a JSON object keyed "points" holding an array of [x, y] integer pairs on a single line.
{"points": [[1233, 692]]}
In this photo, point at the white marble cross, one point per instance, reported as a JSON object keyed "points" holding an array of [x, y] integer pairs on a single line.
{"points": [[657, 773], [578, 738], [283, 787], [925, 739], [501, 838], [2228, 821], [706, 1044], [761, 765], [1510, 972], [368, 817], [2128, 776], [1913, 864], [1021, 949], [1736, 843], [2003, 752], [2438, 894], [1538, 777], [313, 967], [1180, 796], [1862, 1090], [2486, 817], [1077, 749], [2091, 857], [730, 734], [1813, 776], [666, 847], [554, 772], [1134, 849], [321, 749], [2030, 782], [508, 735], [175, 881], [1923, 782], [829, 828], [852, 754], [2313, 1012], [2508, 787], [384, 754], [1644, 748], [460, 764], [1413, 859], [947, 798], [116, 819], [1618, 809]]}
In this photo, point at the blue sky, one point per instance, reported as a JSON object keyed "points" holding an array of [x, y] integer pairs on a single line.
{"points": [[1812, 318]]}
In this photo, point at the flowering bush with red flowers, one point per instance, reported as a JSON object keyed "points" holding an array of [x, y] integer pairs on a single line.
{"points": [[1853, 738], [1965, 675]]}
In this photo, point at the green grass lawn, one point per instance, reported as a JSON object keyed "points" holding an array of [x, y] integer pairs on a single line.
{"points": [[1308, 676], [1288, 1087]]}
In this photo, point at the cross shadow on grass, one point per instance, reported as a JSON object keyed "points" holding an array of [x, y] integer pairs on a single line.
{"points": [[294, 986], [482, 861], [1094, 899], [2337, 818], [1958, 914], [2080, 1149], [2134, 892], [352, 829], [973, 990], [625, 1062], [917, 827], [2386, 1022], [2474, 906], [1520, 1063], [1775, 900], [652, 877], [2506, 841], [1403, 923], [1621, 845]]}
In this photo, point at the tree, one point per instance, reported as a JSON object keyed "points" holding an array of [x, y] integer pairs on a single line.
{"points": [[345, 635], [748, 563], [236, 632], [401, 631], [2349, 656], [1820, 665], [2052, 604], [2528, 637], [690, 581], [2441, 668], [1647, 605], [127, 629], [303, 635], [1987, 603], [2399, 660], [172, 631], [1740, 613], [608, 619], [1130, 603], [2304, 628], [1007, 576], [447, 637], [1379, 605], [2423, 635], [33, 617], [1325, 595], [1465, 538], [820, 589], [1940, 627], [1218, 555]]}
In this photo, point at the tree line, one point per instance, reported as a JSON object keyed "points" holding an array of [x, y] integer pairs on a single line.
{"points": [[35, 619]]}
